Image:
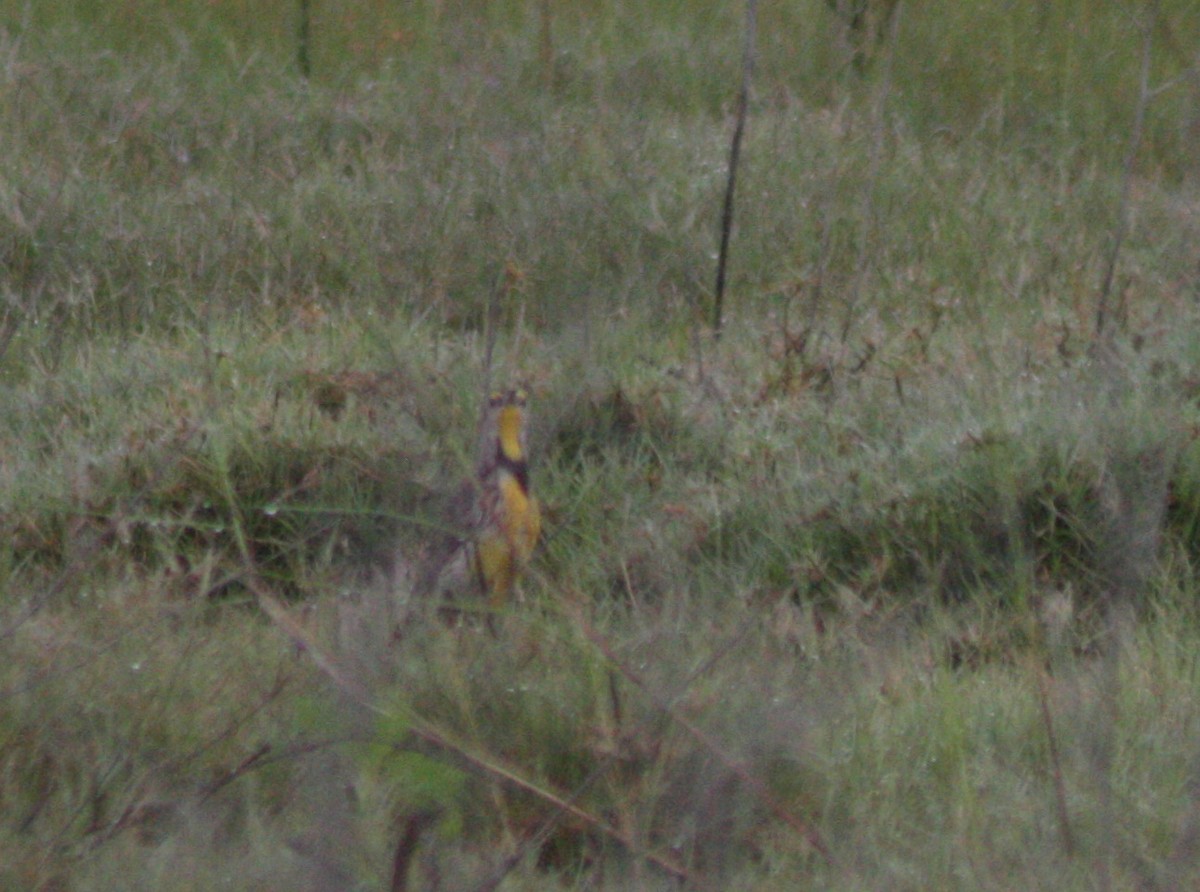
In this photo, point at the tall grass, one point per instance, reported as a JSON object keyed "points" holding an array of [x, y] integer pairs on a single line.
{"points": [[828, 604]]}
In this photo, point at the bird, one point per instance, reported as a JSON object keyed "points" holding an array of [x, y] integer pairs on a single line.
{"points": [[496, 516]]}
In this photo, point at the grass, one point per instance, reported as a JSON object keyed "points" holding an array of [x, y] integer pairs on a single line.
{"points": [[891, 588]]}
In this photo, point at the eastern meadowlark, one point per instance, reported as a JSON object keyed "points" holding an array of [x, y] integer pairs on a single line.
{"points": [[498, 515]]}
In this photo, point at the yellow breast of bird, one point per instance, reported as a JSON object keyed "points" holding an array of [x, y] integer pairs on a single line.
{"points": [[522, 518], [502, 553]]}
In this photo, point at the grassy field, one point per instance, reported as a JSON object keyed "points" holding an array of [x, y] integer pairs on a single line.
{"points": [[890, 587]]}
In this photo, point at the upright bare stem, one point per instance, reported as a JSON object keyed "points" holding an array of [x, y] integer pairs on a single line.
{"points": [[304, 41], [735, 151]]}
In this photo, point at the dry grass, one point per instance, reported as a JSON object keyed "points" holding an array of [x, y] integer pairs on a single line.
{"points": [[891, 588]]}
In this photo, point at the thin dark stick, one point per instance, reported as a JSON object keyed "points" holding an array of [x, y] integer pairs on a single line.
{"points": [[1060, 787], [735, 151], [303, 37], [406, 848], [1135, 140]]}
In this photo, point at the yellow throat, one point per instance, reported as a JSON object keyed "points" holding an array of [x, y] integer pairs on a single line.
{"points": [[508, 431], [502, 554]]}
